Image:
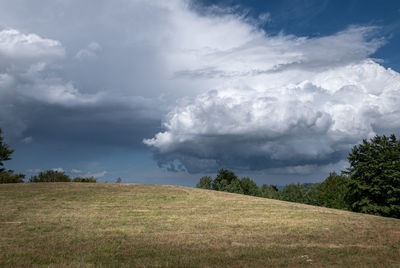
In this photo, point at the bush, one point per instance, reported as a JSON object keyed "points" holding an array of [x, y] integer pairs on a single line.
{"points": [[83, 179], [9, 177], [204, 183], [50, 176]]}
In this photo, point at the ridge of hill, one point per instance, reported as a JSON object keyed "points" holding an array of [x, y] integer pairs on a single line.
{"points": [[104, 224]]}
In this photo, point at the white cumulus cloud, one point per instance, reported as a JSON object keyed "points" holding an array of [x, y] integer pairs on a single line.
{"points": [[279, 101]]}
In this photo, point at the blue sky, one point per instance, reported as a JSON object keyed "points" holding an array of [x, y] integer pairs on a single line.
{"points": [[164, 93], [316, 18]]}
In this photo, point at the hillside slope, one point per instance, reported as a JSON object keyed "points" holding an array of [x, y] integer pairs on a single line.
{"points": [[79, 225]]}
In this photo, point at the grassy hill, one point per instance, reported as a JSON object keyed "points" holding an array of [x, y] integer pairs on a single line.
{"points": [[80, 225]]}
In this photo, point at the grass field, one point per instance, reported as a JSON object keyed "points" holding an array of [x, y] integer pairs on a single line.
{"points": [[113, 225]]}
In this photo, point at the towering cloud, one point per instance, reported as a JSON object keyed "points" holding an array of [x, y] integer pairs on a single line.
{"points": [[281, 101]]}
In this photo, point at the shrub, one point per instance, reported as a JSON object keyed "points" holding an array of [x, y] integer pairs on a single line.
{"points": [[50, 176]]}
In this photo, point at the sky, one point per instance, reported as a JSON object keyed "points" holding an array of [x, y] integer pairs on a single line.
{"points": [[165, 92]]}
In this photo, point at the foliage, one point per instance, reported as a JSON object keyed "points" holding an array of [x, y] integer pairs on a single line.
{"points": [[374, 172], [205, 183], [118, 180], [312, 194], [269, 191], [84, 179], [50, 176], [373, 186], [294, 193], [9, 177], [223, 179], [234, 187], [250, 187], [332, 191], [5, 153]]}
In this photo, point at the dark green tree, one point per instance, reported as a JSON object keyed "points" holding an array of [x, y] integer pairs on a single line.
{"points": [[5, 152], [250, 187], [50, 176], [294, 193], [205, 182], [374, 185], [234, 187], [223, 179], [269, 191], [9, 177], [312, 194], [332, 191], [84, 179]]}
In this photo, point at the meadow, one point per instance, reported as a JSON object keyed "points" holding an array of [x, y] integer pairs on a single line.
{"points": [[132, 225]]}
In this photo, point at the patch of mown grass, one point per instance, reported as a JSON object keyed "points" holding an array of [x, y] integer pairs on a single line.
{"points": [[81, 225]]}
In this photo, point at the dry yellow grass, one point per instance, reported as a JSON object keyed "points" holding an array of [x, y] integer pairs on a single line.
{"points": [[90, 225]]}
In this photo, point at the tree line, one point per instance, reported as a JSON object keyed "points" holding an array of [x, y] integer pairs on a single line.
{"points": [[329, 193], [370, 185]]}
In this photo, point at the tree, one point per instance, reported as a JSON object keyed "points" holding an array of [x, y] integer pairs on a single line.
{"points": [[374, 171], [223, 179], [234, 187], [84, 179], [294, 193], [269, 191], [50, 176], [204, 183], [5, 153], [9, 177], [312, 194], [250, 187], [332, 191]]}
